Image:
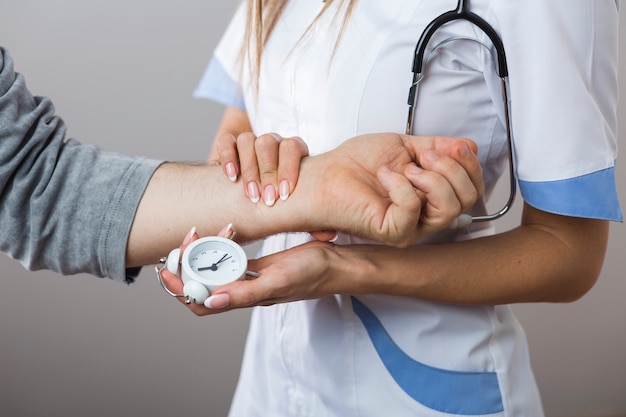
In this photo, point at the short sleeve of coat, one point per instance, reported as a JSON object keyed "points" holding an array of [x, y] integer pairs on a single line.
{"points": [[563, 73], [220, 79]]}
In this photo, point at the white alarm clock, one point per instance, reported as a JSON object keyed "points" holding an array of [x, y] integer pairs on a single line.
{"points": [[207, 263]]}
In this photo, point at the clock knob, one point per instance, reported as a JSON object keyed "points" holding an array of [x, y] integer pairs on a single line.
{"points": [[173, 260], [195, 292]]}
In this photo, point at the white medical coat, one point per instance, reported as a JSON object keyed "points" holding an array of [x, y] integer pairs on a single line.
{"points": [[378, 355]]}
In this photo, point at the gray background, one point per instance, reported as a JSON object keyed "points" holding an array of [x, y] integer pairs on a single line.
{"points": [[121, 74]]}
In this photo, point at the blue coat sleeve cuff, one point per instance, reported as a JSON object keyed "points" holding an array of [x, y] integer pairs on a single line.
{"points": [[591, 196]]}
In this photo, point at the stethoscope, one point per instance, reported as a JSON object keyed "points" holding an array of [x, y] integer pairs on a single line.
{"points": [[462, 13]]}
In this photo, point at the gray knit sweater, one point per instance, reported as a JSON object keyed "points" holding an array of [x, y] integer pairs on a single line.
{"points": [[64, 206]]}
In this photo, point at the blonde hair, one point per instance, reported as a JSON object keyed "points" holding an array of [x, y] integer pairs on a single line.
{"points": [[261, 19]]}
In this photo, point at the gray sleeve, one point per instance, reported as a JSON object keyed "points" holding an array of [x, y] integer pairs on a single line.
{"points": [[64, 206]]}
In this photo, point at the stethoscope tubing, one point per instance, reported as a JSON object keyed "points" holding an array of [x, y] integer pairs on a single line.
{"points": [[419, 61]]}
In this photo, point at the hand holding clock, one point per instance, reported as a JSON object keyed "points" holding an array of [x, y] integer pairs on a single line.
{"points": [[289, 275]]}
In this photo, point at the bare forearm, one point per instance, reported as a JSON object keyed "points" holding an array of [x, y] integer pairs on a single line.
{"points": [[529, 264], [181, 196]]}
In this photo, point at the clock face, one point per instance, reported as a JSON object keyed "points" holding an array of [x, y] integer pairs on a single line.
{"points": [[211, 262], [214, 261]]}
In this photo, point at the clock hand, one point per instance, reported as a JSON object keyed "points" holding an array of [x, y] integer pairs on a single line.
{"points": [[213, 267]]}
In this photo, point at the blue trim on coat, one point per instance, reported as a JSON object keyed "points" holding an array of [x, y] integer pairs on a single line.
{"points": [[453, 392], [592, 196]]}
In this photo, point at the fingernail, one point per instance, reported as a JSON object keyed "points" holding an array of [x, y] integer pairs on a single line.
{"points": [[226, 232], [253, 192], [431, 156], [284, 190], [217, 301], [187, 239], [414, 170], [269, 195], [465, 150], [276, 136], [231, 172], [334, 239]]}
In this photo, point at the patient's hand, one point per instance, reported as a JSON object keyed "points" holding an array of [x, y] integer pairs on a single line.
{"points": [[398, 189]]}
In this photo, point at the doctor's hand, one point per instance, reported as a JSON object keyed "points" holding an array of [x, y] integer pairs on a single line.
{"points": [[303, 272], [268, 165], [295, 274]]}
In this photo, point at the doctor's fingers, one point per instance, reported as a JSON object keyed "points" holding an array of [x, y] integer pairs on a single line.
{"points": [[299, 273], [264, 293], [243, 148], [291, 151], [278, 161], [269, 165], [226, 148], [239, 155], [216, 303], [466, 186]]}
